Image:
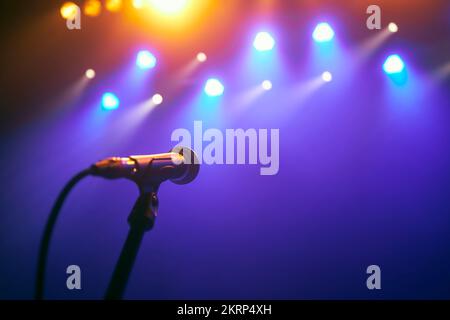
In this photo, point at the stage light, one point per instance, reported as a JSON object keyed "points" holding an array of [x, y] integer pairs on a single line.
{"points": [[157, 99], [263, 41], [392, 27], [90, 74], [323, 32], [266, 85], [201, 57], [168, 6], [145, 60], [393, 64], [68, 10], [214, 87], [138, 4], [110, 101], [327, 76], [92, 8], [113, 5]]}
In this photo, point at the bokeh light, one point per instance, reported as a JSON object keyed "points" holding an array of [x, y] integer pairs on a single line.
{"points": [[393, 64], [323, 32], [266, 85], [168, 6], [113, 5], [138, 4], [327, 76], [392, 27], [69, 10], [264, 41], [214, 87], [145, 60], [157, 99], [92, 8], [90, 74], [201, 57], [110, 101]]}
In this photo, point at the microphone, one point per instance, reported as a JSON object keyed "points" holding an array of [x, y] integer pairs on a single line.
{"points": [[180, 165]]}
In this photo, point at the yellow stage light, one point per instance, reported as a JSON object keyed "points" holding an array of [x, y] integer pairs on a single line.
{"points": [[113, 5], [138, 4], [92, 8], [168, 6], [169, 19], [68, 10]]}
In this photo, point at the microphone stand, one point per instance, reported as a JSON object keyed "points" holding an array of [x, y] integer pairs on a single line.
{"points": [[143, 215], [141, 220]]}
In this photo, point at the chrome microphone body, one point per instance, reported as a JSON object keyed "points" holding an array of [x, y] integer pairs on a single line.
{"points": [[181, 167]]}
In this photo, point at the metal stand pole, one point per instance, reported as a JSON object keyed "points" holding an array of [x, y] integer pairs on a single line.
{"points": [[141, 220]]}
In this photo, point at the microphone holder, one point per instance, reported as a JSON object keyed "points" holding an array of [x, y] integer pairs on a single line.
{"points": [[141, 220]]}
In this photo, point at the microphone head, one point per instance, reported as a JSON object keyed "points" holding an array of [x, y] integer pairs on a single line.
{"points": [[190, 161]]}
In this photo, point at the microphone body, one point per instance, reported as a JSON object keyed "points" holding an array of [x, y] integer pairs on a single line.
{"points": [[180, 166]]}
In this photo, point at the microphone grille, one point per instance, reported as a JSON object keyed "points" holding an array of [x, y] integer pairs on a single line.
{"points": [[191, 163]]}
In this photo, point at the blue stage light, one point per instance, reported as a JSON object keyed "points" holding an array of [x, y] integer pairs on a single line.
{"points": [[323, 32], [145, 60], [214, 87], [393, 64], [110, 101], [263, 41]]}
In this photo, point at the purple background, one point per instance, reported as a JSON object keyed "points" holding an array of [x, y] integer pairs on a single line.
{"points": [[364, 169]]}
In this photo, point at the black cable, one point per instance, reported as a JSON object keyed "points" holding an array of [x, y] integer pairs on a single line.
{"points": [[45, 242]]}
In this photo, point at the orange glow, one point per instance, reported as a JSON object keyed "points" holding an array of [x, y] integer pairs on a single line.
{"points": [[138, 4], [68, 10], [187, 29], [169, 16], [168, 6], [92, 8], [113, 5]]}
